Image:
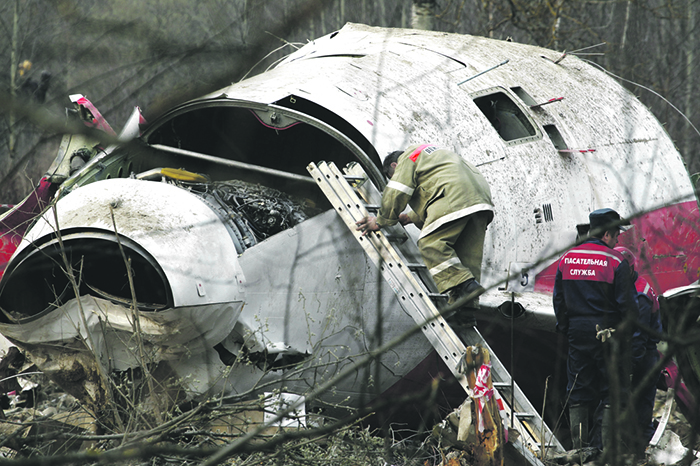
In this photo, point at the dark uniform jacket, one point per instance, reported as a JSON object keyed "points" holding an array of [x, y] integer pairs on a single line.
{"points": [[649, 314], [593, 282], [439, 185]]}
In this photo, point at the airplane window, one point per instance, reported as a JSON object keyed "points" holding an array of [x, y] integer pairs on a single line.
{"points": [[555, 136], [524, 96], [505, 116]]}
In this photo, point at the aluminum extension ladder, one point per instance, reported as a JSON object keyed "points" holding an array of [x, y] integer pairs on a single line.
{"points": [[353, 196]]}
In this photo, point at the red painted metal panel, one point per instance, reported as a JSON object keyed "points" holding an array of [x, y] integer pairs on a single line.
{"points": [[666, 242]]}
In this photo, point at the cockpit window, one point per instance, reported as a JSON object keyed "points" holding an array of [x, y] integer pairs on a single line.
{"points": [[507, 118]]}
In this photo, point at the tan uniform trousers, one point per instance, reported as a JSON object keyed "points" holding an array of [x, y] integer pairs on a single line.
{"points": [[454, 251]]}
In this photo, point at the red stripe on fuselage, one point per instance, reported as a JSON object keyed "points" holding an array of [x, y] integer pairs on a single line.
{"points": [[666, 243]]}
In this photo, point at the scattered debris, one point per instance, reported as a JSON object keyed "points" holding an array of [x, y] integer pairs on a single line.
{"points": [[670, 451], [579, 456], [58, 426]]}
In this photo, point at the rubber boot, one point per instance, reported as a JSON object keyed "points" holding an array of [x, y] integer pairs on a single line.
{"points": [[467, 288], [578, 422], [464, 316]]}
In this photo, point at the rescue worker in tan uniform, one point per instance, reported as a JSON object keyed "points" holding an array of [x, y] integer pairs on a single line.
{"points": [[451, 204]]}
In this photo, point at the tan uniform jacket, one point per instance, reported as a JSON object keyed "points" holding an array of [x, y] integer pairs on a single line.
{"points": [[438, 184]]}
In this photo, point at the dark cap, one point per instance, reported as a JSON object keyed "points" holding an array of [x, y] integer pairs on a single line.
{"points": [[604, 218]]}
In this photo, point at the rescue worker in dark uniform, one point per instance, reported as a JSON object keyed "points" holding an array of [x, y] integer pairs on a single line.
{"points": [[644, 353], [451, 204], [592, 288]]}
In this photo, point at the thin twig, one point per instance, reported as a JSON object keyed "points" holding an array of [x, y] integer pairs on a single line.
{"points": [[136, 321], [76, 290]]}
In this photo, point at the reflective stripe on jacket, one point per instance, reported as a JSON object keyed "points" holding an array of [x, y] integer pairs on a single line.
{"points": [[593, 281], [645, 288], [438, 184]]}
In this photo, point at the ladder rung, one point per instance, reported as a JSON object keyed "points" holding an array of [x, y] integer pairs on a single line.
{"points": [[437, 295], [353, 179], [372, 207], [501, 385], [416, 266], [524, 415], [398, 239]]}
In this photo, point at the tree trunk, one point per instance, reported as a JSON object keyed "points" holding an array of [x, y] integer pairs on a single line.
{"points": [[623, 41], [423, 14], [14, 60], [689, 81]]}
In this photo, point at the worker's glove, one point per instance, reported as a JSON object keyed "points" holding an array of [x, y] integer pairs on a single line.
{"points": [[603, 333]]}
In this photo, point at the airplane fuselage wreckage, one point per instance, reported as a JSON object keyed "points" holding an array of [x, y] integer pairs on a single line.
{"points": [[242, 275]]}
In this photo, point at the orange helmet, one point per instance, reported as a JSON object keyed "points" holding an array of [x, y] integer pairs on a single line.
{"points": [[627, 254]]}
